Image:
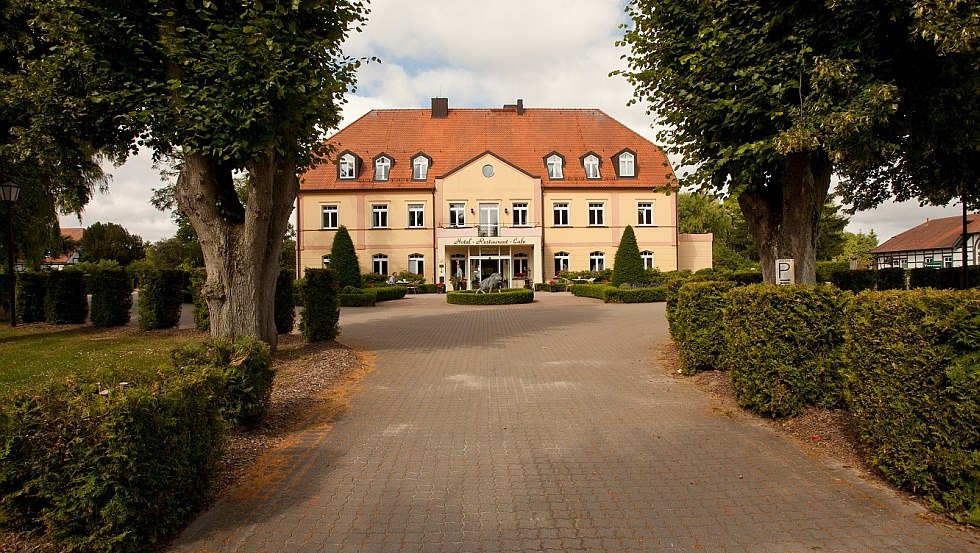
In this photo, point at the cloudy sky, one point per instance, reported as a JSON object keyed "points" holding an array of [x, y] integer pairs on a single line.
{"points": [[551, 53]]}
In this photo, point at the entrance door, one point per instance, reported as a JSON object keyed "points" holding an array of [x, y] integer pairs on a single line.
{"points": [[489, 220]]}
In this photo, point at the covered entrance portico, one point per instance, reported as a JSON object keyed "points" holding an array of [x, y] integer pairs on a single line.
{"points": [[517, 260]]}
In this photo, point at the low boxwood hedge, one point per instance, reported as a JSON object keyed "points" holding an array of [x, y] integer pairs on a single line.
{"points": [[387, 293], [504, 297], [636, 295], [357, 300], [913, 363], [597, 291], [783, 346], [697, 327]]}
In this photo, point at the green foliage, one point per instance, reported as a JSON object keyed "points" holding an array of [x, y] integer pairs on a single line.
{"points": [[99, 467], [298, 291], [611, 294], [386, 293], [854, 280], [913, 376], [830, 231], [783, 347], [858, 246], [246, 368], [321, 310], [372, 279], [159, 300], [357, 299], [743, 278], [65, 301], [343, 259], [947, 278], [698, 327], [109, 241], [826, 269], [202, 315], [892, 278], [507, 296], [628, 265], [138, 270], [112, 297], [285, 308], [30, 294]]}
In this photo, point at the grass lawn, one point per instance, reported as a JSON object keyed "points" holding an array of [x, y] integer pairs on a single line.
{"points": [[32, 355]]}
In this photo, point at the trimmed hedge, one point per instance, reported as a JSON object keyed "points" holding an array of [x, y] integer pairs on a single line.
{"points": [[321, 309], [947, 278], [159, 300], [246, 368], [357, 300], [636, 295], [202, 314], [825, 269], [65, 301], [120, 470], [743, 278], [285, 309], [30, 293], [697, 326], [597, 291], [386, 293], [914, 375], [892, 278], [506, 296], [854, 280], [783, 346], [112, 297]]}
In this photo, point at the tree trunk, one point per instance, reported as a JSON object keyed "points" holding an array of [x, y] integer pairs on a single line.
{"points": [[241, 246], [783, 216]]}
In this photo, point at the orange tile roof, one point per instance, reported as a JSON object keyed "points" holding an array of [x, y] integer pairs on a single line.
{"points": [[522, 140], [75, 234], [934, 234]]}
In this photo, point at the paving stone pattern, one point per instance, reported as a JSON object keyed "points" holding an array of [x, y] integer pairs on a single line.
{"points": [[546, 427]]}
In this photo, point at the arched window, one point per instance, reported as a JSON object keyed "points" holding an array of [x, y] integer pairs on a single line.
{"points": [[416, 264], [348, 166], [597, 261], [627, 165], [379, 262], [647, 257], [561, 262]]}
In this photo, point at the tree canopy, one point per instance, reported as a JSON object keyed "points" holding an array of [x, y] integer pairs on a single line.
{"points": [[112, 242]]}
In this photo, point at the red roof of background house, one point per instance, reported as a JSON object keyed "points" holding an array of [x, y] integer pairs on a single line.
{"points": [[523, 140], [73, 233], [934, 234]]}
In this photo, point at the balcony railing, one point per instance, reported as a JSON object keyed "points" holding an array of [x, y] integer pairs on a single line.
{"points": [[488, 230]]}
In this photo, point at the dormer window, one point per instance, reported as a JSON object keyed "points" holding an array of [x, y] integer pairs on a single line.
{"points": [[382, 168], [347, 166], [420, 167], [627, 164], [591, 164], [554, 163]]}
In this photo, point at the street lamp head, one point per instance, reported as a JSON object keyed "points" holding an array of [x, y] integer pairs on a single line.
{"points": [[9, 192]]}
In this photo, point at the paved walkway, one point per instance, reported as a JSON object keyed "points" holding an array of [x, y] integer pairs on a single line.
{"points": [[546, 427]]}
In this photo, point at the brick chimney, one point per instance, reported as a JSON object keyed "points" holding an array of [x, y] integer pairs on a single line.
{"points": [[518, 107], [440, 108]]}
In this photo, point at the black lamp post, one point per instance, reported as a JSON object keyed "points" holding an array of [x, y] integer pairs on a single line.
{"points": [[8, 195]]}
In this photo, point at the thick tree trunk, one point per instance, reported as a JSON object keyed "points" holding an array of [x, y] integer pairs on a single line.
{"points": [[783, 216], [241, 247]]}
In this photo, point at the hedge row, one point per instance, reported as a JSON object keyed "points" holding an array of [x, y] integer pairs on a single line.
{"points": [[357, 300], [321, 310], [160, 299], [31, 289], [504, 297], [612, 294], [697, 326], [65, 301], [112, 297], [947, 278]]}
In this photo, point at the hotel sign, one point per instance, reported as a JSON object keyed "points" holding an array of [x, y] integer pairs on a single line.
{"points": [[484, 241]]}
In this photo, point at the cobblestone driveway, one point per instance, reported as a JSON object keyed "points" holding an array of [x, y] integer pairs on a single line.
{"points": [[546, 427]]}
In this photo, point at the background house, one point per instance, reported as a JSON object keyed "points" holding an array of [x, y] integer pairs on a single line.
{"points": [[935, 243]]}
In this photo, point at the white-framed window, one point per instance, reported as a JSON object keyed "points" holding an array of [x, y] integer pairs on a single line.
{"points": [[420, 168], [379, 216], [520, 214], [329, 216], [555, 163], [561, 214], [416, 264], [457, 214], [597, 261], [591, 164], [644, 212], [326, 261], [348, 166], [947, 261], [597, 214], [627, 165], [379, 262], [382, 168], [520, 265], [561, 262], [416, 215], [647, 257]]}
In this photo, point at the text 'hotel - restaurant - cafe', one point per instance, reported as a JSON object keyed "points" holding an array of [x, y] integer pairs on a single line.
{"points": [[522, 192]]}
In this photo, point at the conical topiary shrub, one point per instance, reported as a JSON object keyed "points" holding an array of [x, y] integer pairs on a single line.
{"points": [[343, 259], [628, 266]]}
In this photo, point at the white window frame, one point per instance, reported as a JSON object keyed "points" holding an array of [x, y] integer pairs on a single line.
{"points": [[329, 216], [562, 214], [379, 215], [457, 214], [420, 168], [591, 165], [647, 257], [520, 210], [644, 214], [416, 263], [627, 165], [348, 166], [379, 263], [382, 168], [563, 262], [597, 261], [520, 264], [325, 261], [597, 214], [555, 164], [416, 215]]}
